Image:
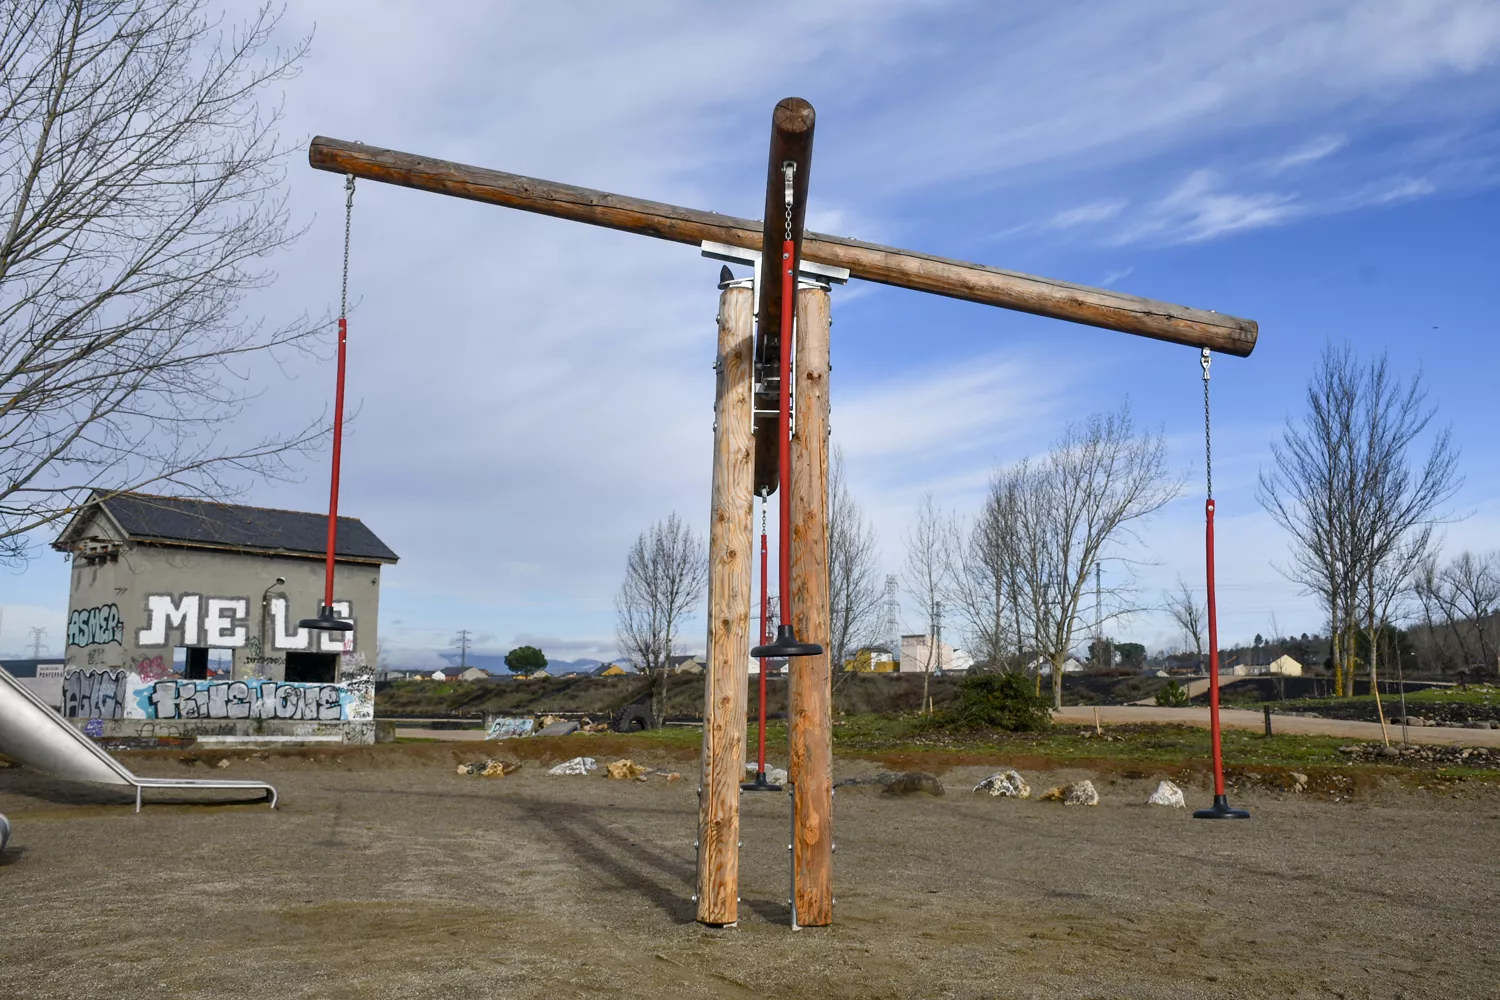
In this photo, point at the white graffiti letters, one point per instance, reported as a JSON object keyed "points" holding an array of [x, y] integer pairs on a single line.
{"points": [[95, 626], [163, 612], [220, 630], [280, 638], [246, 700]]}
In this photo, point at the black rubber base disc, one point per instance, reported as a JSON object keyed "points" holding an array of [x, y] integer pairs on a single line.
{"points": [[1220, 810], [786, 644]]}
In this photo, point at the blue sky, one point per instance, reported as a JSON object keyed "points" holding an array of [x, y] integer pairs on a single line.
{"points": [[532, 393]]}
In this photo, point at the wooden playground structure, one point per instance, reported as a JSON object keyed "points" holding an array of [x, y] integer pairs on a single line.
{"points": [[755, 453]]}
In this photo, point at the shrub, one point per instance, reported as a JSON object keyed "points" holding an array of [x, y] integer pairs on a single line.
{"points": [[1172, 696], [1001, 701]]}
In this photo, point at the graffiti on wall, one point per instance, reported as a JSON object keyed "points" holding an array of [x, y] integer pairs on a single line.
{"points": [[120, 694], [95, 626], [224, 622], [175, 699], [95, 694]]}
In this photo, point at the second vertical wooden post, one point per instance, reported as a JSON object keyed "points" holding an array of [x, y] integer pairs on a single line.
{"points": [[811, 758], [729, 563]]}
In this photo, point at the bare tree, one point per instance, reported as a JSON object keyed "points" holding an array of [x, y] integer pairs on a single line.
{"points": [[1072, 508], [926, 580], [982, 578], [1189, 615], [1346, 487], [1458, 603], [666, 576], [139, 200], [855, 593]]}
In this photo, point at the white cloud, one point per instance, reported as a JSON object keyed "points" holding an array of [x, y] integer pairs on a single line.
{"points": [[1310, 152], [1092, 213]]}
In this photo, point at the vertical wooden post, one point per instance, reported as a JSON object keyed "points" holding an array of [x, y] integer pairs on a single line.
{"points": [[811, 764], [729, 564]]}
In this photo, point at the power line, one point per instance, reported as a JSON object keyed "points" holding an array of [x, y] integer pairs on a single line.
{"points": [[462, 642], [37, 645]]}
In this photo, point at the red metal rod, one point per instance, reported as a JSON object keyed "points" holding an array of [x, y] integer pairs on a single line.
{"points": [[765, 639], [784, 442], [1213, 659], [338, 446]]}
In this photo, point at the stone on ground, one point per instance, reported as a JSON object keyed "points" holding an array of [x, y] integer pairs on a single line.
{"points": [[624, 770], [1007, 784], [578, 765], [914, 783], [1167, 794], [562, 727], [1079, 793]]}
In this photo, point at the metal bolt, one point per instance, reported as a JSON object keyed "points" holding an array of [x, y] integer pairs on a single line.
{"points": [[695, 897]]}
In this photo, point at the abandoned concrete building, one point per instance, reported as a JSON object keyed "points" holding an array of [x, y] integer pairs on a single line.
{"points": [[184, 613]]}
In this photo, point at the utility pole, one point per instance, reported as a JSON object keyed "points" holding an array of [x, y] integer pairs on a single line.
{"points": [[462, 642], [37, 645]]}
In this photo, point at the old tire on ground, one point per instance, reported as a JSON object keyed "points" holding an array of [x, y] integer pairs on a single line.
{"points": [[633, 718]]}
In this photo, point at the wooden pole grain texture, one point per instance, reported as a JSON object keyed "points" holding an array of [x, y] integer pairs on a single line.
{"points": [[729, 565], [922, 272], [811, 753]]}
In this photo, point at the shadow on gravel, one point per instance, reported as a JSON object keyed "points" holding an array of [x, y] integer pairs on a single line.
{"points": [[632, 865]]}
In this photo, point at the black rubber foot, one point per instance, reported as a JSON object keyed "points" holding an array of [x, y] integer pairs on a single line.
{"points": [[1220, 810], [760, 784], [326, 622], [786, 644]]}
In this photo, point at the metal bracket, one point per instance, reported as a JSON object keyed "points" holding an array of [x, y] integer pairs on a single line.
{"points": [[807, 269]]}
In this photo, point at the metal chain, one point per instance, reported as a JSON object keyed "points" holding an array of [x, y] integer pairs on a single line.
{"points": [[763, 494], [1208, 445], [348, 222], [788, 170]]}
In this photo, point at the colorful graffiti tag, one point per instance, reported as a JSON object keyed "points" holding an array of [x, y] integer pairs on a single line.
{"points": [[96, 626], [117, 694]]}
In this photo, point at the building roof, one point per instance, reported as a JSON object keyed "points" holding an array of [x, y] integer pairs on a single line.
{"points": [[206, 524]]}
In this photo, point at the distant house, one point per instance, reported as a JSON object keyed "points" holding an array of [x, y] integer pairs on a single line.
{"points": [[1283, 666], [1044, 667], [608, 670], [873, 660], [685, 665], [917, 656], [537, 675]]}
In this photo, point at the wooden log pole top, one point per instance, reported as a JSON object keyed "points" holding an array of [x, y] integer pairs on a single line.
{"points": [[792, 124], [921, 272]]}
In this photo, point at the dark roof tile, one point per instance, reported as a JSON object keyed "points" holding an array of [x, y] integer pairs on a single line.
{"points": [[203, 522]]}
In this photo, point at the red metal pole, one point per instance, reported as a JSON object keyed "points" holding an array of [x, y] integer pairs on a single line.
{"points": [[338, 445], [765, 639], [1213, 659]]}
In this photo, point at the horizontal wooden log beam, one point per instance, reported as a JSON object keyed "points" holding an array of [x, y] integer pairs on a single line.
{"points": [[887, 265]]}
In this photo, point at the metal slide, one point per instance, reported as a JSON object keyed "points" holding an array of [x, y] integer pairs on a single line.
{"points": [[32, 733]]}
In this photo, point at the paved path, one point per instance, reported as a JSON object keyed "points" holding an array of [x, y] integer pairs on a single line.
{"points": [[1239, 718]]}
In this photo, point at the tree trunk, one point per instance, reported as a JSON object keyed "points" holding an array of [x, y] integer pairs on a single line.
{"points": [[1057, 678]]}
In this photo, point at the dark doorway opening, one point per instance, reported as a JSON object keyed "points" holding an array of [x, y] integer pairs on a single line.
{"points": [[312, 668], [195, 663]]}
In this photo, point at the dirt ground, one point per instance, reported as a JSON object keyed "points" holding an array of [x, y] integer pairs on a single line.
{"points": [[385, 874]]}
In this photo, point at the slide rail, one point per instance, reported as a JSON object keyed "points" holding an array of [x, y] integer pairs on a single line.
{"points": [[36, 736]]}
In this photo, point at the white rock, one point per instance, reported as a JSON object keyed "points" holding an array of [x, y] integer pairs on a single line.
{"points": [[774, 775], [1167, 794], [578, 765], [1007, 784], [1081, 793]]}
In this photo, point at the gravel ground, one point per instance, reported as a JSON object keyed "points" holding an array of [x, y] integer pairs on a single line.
{"points": [[385, 874]]}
